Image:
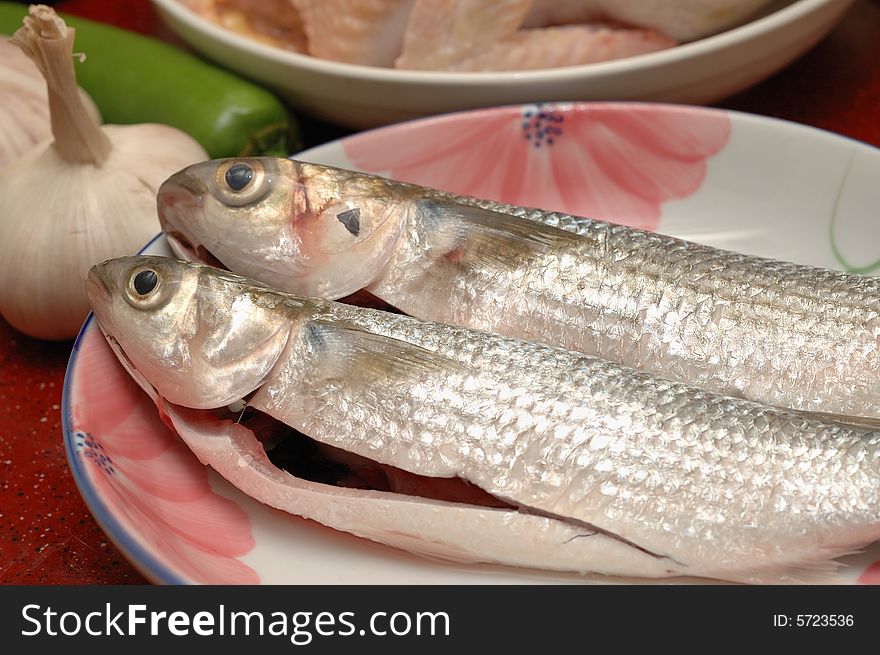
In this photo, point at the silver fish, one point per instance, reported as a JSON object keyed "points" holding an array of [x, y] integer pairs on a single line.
{"points": [[592, 466], [769, 331]]}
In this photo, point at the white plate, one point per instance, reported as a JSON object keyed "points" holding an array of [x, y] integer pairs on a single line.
{"points": [[700, 72], [757, 185]]}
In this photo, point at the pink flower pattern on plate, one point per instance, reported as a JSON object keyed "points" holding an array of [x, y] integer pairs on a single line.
{"points": [[608, 161], [148, 479]]}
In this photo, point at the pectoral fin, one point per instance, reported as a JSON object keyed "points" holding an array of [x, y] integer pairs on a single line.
{"points": [[860, 422], [349, 352], [338, 366], [479, 235]]}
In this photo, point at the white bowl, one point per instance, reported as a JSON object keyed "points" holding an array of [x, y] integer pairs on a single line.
{"points": [[362, 96]]}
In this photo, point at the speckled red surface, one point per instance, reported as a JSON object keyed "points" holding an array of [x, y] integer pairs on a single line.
{"points": [[46, 532]]}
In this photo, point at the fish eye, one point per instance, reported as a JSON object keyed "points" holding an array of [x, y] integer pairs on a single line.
{"points": [[240, 183], [147, 286], [145, 281], [238, 176]]}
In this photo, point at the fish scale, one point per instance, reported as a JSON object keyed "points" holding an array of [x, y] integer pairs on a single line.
{"points": [[806, 311], [773, 332], [641, 453], [666, 478]]}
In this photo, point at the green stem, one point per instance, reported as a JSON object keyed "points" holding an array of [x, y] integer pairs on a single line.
{"points": [[838, 255]]}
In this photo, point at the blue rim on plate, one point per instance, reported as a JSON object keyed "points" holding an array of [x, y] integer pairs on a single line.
{"points": [[150, 566]]}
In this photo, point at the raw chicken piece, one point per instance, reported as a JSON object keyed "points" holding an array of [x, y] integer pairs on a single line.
{"points": [[684, 20], [274, 22], [356, 31], [474, 35]]}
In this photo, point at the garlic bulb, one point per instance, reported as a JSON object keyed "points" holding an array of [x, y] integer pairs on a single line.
{"points": [[85, 196], [24, 104]]}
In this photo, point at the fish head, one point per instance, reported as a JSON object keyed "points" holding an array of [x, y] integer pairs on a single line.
{"points": [[194, 335], [304, 228]]}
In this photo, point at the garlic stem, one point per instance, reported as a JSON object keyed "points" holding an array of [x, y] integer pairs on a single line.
{"points": [[87, 197], [46, 39]]}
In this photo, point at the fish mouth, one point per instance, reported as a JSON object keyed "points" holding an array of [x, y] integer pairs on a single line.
{"points": [[127, 363], [178, 202], [98, 286], [184, 249], [181, 189]]}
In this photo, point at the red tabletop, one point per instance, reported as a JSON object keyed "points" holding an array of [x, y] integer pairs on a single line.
{"points": [[47, 534]]}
